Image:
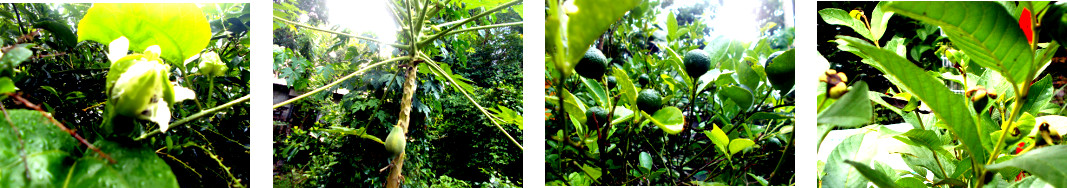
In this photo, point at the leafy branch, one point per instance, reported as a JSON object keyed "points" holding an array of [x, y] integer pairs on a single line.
{"points": [[437, 69], [338, 81], [198, 115]]}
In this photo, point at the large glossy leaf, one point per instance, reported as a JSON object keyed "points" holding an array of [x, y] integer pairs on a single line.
{"points": [[1046, 163], [588, 19], [983, 30], [946, 105], [859, 147], [49, 158], [180, 30], [878, 178], [853, 109]]}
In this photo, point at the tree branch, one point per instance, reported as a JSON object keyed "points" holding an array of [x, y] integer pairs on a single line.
{"points": [[334, 83], [198, 115], [338, 33]]}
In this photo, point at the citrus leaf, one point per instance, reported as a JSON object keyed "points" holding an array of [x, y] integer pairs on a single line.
{"points": [[718, 138], [587, 20], [840, 17], [739, 144], [669, 119]]}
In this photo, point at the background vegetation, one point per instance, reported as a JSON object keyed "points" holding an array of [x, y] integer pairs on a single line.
{"points": [[326, 142]]}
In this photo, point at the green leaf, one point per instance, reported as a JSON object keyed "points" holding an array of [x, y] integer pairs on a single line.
{"points": [[592, 171], [8, 86], [759, 179], [64, 36], [878, 178], [879, 20], [859, 147], [669, 119], [49, 156], [781, 72], [853, 109], [626, 87], [946, 105], [840, 17], [591, 19], [910, 182], [718, 138], [1041, 162], [672, 26], [597, 89], [646, 162], [739, 144], [1039, 96], [180, 30], [136, 167], [742, 97], [984, 30]]}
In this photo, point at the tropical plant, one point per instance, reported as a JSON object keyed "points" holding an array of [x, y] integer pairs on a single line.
{"points": [[985, 120], [450, 87], [112, 85], [683, 106]]}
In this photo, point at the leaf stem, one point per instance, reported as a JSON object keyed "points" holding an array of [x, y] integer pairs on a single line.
{"points": [[334, 83], [338, 33], [460, 24], [197, 116]]}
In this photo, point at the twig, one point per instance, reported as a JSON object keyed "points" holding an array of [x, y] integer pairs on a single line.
{"points": [[236, 182], [19, 99], [159, 151]]}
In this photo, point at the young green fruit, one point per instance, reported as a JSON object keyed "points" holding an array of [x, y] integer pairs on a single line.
{"points": [[643, 79], [396, 141], [596, 116], [593, 65], [211, 66], [648, 100], [697, 63], [611, 82]]}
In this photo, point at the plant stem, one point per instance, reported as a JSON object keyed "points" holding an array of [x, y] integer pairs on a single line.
{"points": [[235, 182], [485, 27], [1007, 126], [198, 115], [338, 33], [460, 24], [334, 83]]}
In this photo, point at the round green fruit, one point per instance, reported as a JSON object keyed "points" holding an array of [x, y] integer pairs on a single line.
{"points": [[648, 100], [596, 116], [611, 82], [697, 62], [643, 79], [593, 65]]}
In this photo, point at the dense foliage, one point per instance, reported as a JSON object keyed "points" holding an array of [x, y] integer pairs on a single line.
{"points": [[934, 94], [65, 68], [335, 137], [685, 105]]}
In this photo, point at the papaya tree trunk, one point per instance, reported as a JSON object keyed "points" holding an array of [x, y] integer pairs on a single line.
{"points": [[395, 176]]}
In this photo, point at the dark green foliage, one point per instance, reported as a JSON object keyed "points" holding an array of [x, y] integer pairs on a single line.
{"points": [[611, 82], [697, 63], [593, 65]]}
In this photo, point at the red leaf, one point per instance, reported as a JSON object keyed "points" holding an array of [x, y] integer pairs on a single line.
{"points": [[1027, 25]]}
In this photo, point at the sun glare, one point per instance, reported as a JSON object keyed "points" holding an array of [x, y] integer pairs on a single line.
{"points": [[737, 20], [365, 16]]}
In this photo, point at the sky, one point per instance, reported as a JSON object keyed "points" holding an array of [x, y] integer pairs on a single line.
{"points": [[736, 19], [365, 15]]}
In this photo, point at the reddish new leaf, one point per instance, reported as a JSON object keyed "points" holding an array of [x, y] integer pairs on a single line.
{"points": [[1027, 24]]}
